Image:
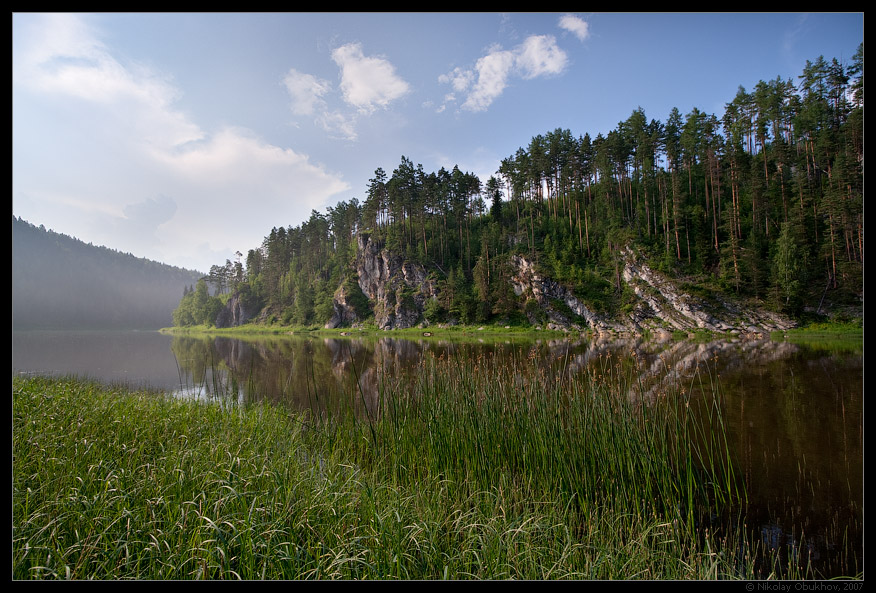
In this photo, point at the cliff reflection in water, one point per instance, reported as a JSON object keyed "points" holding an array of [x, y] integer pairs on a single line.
{"points": [[308, 372]]}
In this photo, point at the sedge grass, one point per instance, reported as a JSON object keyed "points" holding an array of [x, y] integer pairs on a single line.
{"points": [[474, 472], [480, 422]]}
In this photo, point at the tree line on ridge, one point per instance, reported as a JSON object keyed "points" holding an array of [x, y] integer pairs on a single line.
{"points": [[764, 202]]}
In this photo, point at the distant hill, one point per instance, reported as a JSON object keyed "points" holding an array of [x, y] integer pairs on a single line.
{"points": [[60, 282]]}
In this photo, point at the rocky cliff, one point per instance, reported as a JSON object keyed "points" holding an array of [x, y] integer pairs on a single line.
{"points": [[237, 311], [661, 306], [398, 291], [561, 307], [344, 312], [664, 305]]}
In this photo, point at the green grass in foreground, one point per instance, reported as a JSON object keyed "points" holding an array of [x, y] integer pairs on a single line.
{"points": [[475, 473]]}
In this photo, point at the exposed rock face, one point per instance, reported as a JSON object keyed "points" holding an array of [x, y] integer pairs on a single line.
{"points": [[235, 313], [528, 283], [667, 305], [344, 313], [664, 302], [662, 307], [397, 289]]}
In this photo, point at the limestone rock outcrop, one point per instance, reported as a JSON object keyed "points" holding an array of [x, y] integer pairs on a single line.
{"points": [[669, 306], [397, 289], [552, 299], [236, 312], [343, 311]]}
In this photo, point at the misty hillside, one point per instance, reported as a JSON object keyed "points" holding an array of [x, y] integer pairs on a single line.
{"points": [[60, 282]]}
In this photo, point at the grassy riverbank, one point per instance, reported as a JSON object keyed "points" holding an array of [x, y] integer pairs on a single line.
{"points": [[475, 473], [805, 333], [838, 337], [366, 330]]}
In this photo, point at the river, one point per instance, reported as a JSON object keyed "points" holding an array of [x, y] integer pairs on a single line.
{"points": [[794, 412]]}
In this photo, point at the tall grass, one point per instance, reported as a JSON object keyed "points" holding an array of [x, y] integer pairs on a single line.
{"points": [[478, 470], [479, 423]]}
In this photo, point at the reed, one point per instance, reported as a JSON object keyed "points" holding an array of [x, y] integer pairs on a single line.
{"points": [[480, 423], [478, 470]]}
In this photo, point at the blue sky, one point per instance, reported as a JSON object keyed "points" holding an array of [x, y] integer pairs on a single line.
{"points": [[186, 137]]}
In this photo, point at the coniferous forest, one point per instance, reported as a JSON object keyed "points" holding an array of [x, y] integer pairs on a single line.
{"points": [[60, 282], [763, 202]]}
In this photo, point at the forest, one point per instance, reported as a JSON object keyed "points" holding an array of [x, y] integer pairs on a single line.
{"points": [[60, 282], [763, 202]]}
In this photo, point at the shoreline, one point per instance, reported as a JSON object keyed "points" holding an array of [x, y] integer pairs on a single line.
{"points": [[814, 331]]}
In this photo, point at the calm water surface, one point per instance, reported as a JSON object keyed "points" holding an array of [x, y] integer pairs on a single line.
{"points": [[794, 413]]}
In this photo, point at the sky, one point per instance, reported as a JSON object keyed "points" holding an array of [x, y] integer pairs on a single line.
{"points": [[186, 137]]}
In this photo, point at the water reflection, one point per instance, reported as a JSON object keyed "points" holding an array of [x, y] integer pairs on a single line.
{"points": [[135, 358], [794, 415], [298, 371]]}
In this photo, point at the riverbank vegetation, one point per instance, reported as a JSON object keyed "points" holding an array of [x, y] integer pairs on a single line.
{"points": [[837, 336], [763, 203], [366, 330], [474, 473], [851, 333]]}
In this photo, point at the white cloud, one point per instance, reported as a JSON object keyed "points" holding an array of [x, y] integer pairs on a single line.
{"points": [[152, 212], [306, 91], [129, 170], [575, 25], [459, 79], [59, 57], [51, 37], [538, 55], [236, 169], [237, 187], [367, 82], [492, 78], [338, 125]]}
